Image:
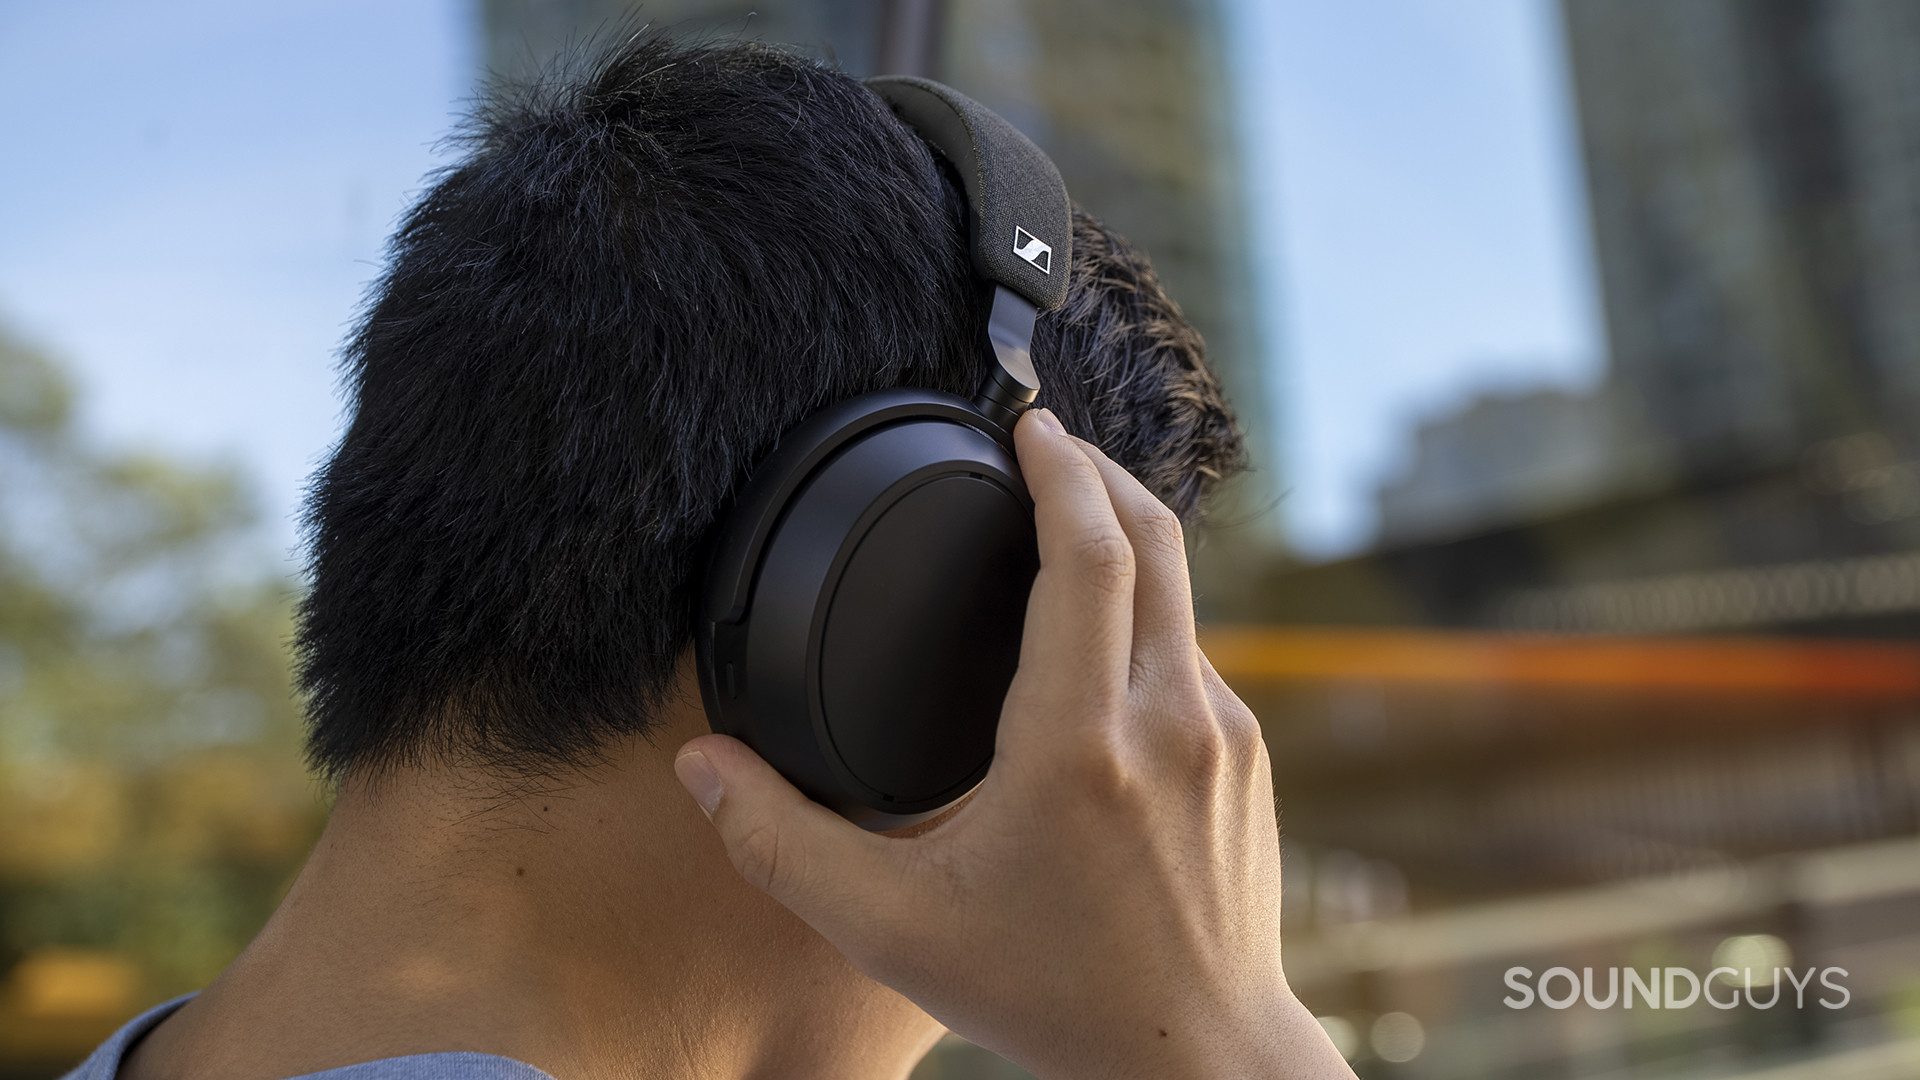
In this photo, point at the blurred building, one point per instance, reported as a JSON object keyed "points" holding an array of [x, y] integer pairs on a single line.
{"points": [[1755, 190], [1749, 467], [1501, 457], [1752, 458], [522, 38], [1631, 673]]}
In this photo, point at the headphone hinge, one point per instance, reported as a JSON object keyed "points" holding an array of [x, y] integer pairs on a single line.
{"points": [[1011, 384]]}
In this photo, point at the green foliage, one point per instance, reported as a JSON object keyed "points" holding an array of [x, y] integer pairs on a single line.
{"points": [[149, 741]]}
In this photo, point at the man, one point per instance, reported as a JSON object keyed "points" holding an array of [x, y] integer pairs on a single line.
{"points": [[588, 331]]}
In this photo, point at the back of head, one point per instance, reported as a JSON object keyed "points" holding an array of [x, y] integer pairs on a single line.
{"points": [[590, 329]]}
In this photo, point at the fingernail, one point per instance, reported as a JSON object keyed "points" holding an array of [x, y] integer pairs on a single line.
{"points": [[1050, 421], [697, 775]]}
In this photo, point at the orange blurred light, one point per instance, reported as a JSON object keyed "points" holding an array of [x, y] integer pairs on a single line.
{"points": [[57, 984], [1881, 670]]}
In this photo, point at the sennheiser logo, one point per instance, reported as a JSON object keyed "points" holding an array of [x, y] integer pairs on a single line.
{"points": [[1033, 249]]}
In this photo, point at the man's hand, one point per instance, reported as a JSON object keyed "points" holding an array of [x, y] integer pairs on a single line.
{"points": [[1107, 904]]}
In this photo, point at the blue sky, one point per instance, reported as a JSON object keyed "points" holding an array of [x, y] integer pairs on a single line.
{"points": [[193, 199], [1417, 170]]}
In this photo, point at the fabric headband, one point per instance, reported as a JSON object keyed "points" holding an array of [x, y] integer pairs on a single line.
{"points": [[1019, 222]]}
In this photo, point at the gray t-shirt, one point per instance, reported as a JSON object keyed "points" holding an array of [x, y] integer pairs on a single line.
{"points": [[104, 1063]]}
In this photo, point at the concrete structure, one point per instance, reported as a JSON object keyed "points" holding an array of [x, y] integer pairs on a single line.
{"points": [[1755, 194], [1501, 457]]}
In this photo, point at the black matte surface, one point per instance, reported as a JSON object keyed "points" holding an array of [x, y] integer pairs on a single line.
{"points": [[924, 634], [740, 539]]}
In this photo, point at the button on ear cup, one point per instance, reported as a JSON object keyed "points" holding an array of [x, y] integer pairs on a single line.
{"points": [[923, 636]]}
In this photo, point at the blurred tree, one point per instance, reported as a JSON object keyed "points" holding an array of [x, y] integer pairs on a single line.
{"points": [[151, 786]]}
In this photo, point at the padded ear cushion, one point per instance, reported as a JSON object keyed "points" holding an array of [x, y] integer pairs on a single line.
{"points": [[864, 607]]}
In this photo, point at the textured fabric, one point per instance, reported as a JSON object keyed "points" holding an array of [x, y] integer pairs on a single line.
{"points": [[104, 1063], [1019, 221]]}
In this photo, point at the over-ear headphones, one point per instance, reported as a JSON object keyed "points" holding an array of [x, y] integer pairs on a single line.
{"points": [[862, 613]]}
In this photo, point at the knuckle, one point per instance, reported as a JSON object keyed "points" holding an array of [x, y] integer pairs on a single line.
{"points": [[762, 856], [1105, 772], [1241, 727], [1105, 559], [1260, 761], [1205, 746], [1248, 742], [1208, 739], [1161, 527]]}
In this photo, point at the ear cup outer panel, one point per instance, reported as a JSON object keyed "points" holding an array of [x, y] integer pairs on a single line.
{"points": [[863, 610]]}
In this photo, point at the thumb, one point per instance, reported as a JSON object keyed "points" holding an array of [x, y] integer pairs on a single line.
{"points": [[814, 862]]}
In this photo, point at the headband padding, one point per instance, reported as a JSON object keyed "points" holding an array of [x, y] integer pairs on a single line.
{"points": [[1020, 224]]}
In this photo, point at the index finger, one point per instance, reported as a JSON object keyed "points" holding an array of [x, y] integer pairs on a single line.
{"points": [[1079, 629]]}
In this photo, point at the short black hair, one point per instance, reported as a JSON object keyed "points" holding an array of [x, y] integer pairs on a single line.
{"points": [[644, 269]]}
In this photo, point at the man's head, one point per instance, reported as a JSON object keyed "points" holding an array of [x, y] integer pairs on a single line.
{"points": [[594, 325]]}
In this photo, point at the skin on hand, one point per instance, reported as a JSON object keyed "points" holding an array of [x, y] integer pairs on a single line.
{"points": [[1107, 904]]}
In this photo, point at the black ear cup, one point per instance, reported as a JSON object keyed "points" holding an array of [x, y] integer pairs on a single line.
{"points": [[865, 603]]}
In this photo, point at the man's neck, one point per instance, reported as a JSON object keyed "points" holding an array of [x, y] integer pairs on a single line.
{"points": [[591, 927]]}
